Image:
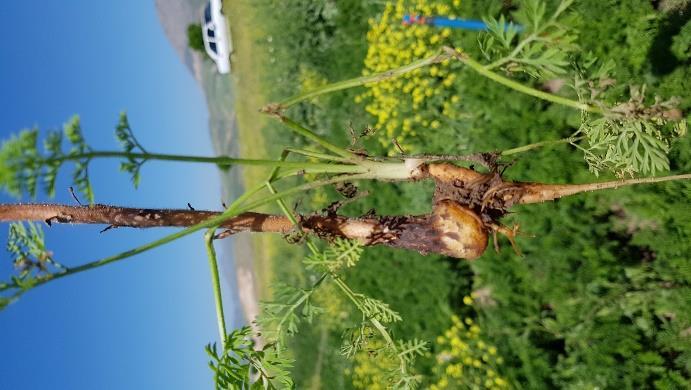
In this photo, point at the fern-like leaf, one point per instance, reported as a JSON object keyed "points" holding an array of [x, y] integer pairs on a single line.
{"points": [[281, 317], [241, 366], [129, 143], [340, 254], [541, 50]]}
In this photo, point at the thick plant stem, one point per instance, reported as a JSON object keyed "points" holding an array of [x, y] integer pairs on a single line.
{"points": [[358, 81], [114, 217], [516, 86], [216, 284]]}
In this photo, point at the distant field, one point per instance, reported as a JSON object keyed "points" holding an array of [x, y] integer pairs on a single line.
{"points": [[248, 63]]}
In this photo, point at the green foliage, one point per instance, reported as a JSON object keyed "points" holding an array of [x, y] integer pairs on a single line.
{"points": [[23, 166], [80, 176], [372, 308], [195, 38], [377, 366], [126, 138], [28, 249], [340, 254], [681, 43], [31, 259], [280, 318], [19, 163], [541, 50], [593, 315], [634, 137], [625, 147], [589, 253], [464, 358], [599, 299], [240, 366]]}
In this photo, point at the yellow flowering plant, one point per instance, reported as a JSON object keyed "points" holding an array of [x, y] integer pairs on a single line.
{"points": [[465, 360], [423, 98]]}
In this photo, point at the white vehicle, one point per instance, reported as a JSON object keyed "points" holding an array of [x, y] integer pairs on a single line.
{"points": [[216, 37]]}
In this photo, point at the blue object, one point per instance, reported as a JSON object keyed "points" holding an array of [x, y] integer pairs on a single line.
{"points": [[463, 24], [475, 25]]}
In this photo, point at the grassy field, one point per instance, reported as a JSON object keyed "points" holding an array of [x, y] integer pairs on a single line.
{"points": [[248, 63], [600, 297]]}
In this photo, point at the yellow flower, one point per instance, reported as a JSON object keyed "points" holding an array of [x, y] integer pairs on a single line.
{"points": [[468, 301], [392, 45]]}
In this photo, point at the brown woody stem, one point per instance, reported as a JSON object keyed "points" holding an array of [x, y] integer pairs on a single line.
{"points": [[421, 233], [138, 217]]}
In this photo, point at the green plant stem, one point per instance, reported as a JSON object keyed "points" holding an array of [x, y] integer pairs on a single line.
{"points": [[216, 284], [311, 153], [284, 208], [300, 301], [312, 136], [358, 81], [375, 322], [445, 53], [516, 86], [220, 160], [282, 204], [536, 145]]}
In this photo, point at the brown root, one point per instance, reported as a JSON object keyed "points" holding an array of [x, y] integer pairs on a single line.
{"points": [[451, 229], [488, 195], [467, 208]]}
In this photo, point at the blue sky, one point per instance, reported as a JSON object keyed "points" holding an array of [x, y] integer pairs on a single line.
{"points": [[141, 323]]}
